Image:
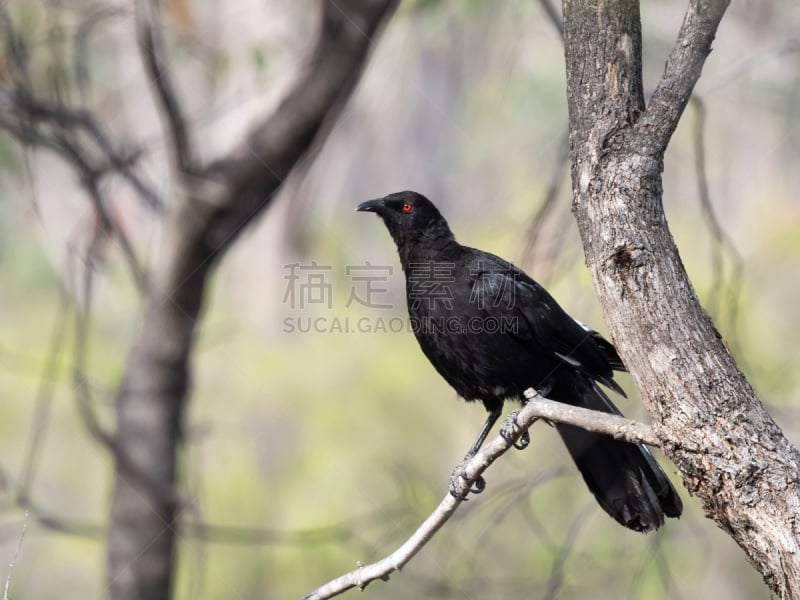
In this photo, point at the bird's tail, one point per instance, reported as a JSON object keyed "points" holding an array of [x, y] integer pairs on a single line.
{"points": [[625, 478]]}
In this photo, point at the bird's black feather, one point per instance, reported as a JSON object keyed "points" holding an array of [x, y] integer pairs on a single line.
{"points": [[492, 332]]}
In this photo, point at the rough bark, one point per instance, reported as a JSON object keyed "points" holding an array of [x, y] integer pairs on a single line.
{"points": [[214, 205], [728, 450]]}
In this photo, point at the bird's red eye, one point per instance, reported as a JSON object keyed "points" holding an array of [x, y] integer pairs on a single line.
{"points": [[408, 207]]}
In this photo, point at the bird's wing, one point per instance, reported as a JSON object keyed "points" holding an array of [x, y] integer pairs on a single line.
{"points": [[502, 290], [606, 348]]}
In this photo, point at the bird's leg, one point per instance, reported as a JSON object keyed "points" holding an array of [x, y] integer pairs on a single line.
{"points": [[458, 472], [487, 427]]}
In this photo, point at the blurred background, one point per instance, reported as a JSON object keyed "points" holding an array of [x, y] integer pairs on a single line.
{"points": [[318, 434]]}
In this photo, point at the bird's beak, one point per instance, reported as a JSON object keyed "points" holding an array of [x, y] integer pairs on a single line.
{"points": [[371, 206]]}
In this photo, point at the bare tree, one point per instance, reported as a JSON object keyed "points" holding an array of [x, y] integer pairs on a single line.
{"points": [[215, 202], [212, 204]]}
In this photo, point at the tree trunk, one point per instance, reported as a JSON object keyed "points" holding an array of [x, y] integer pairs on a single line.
{"points": [[728, 450], [216, 203]]}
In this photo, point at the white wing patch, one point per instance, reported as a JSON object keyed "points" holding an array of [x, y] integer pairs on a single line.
{"points": [[584, 326], [569, 360]]}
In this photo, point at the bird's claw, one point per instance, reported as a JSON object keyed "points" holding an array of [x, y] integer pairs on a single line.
{"points": [[510, 429], [478, 485], [457, 480], [523, 441]]}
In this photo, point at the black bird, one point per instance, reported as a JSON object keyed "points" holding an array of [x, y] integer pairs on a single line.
{"points": [[492, 332]]}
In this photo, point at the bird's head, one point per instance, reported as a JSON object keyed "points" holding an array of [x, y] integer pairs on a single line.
{"points": [[410, 218]]}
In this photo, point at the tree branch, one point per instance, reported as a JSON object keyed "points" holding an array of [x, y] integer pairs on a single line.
{"points": [[16, 555], [552, 15], [105, 222], [517, 422], [151, 48], [619, 428], [21, 115], [80, 47], [43, 402], [534, 231], [82, 390], [252, 173], [14, 50], [684, 65], [721, 241]]}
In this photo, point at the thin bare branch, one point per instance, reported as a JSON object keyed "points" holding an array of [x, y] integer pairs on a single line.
{"points": [[212, 533], [684, 65], [106, 222], [24, 112], [27, 135], [512, 496], [151, 48], [536, 226], [44, 397], [721, 242], [553, 16], [80, 59], [671, 588], [16, 555], [57, 83], [617, 427], [515, 425], [22, 115], [58, 523], [556, 579], [109, 223], [83, 391], [347, 529], [14, 50]]}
